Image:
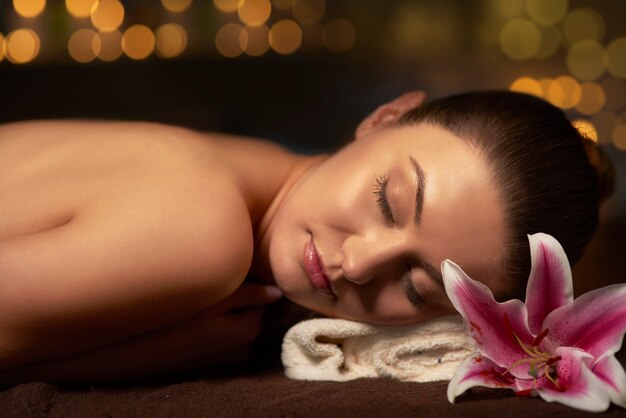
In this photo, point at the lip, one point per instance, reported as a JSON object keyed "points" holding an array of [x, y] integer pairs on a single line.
{"points": [[313, 268]]}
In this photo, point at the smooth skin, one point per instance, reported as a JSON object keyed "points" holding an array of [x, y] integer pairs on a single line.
{"points": [[124, 247]]}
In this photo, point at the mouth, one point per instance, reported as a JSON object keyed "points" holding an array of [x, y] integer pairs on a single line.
{"points": [[313, 268]]}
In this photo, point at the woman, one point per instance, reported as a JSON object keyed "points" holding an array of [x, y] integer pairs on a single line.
{"points": [[124, 247]]}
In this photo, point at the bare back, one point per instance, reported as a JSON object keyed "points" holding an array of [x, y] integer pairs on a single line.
{"points": [[126, 226]]}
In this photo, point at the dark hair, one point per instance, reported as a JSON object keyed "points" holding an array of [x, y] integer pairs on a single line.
{"points": [[541, 164]]}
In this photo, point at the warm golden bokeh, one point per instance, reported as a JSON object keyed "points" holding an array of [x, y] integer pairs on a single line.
{"points": [[226, 6], [258, 42], [547, 12], [110, 45], [592, 98], [107, 15], [79, 8], [282, 4], [285, 37], [22, 46], [138, 42], [583, 24], [619, 137], [308, 12], [254, 12], [228, 40], [586, 60], [616, 57], [564, 92], [171, 40], [550, 42], [615, 90], [2, 47], [527, 85], [176, 6], [29, 8], [520, 39], [84, 45], [605, 122]]}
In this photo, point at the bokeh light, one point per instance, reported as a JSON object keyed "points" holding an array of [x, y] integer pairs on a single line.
{"points": [[520, 39], [546, 12], [2, 47], [615, 90], [586, 129], [110, 45], [282, 4], [176, 6], [616, 57], [84, 45], [586, 60], [22, 46], [564, 92], [605, 122], [285, 37], [138, 42], [592, 98], [171, 40], [506, 9], [339, 35], [550, 42], [79, 8], [226, 6], [228, 40], [254, 12], [619, 137], [107, 15], [527, 85], [308, 12], [583, 25], [29, 8], [258, 40]]}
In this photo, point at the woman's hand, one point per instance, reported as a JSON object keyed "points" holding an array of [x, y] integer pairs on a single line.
{"points": [[236, 321]]}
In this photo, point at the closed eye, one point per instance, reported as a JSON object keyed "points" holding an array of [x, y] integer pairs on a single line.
{"points": [[380, 192], [411, 294]]}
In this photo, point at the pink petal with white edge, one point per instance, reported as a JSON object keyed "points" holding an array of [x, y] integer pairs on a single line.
{"points": [[478, 371], [594, 322], [550, 281], [581, 388], [611, 373], [487, 319]]}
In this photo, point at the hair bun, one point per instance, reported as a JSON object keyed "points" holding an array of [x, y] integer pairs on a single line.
{"points": [[603, 166]]}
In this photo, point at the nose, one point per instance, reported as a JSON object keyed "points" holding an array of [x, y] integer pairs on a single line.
{"points": [[365, 258]]}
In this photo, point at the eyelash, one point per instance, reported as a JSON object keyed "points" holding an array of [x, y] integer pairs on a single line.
{"points": [[411, 294], [380, 192]]}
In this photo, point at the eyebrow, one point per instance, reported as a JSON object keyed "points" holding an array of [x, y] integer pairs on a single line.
{"points": [[419, 194], [419, 206]]}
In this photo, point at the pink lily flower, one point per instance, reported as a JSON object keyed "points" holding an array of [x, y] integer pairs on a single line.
{"points": [[552, 346]]}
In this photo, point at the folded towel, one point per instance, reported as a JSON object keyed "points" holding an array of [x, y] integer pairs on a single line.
{"points": [[340, 350]]}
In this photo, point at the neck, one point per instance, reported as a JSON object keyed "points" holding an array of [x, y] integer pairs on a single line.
{"points": [[261, 263]]}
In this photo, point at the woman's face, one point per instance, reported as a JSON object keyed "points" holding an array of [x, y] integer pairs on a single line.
{"points": [[363, 234]]}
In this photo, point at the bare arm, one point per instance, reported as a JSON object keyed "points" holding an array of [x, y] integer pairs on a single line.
{"points": [[221, 334]]}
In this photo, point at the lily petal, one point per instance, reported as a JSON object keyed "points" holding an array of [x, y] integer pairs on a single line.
{"points": [[611, 373], [478, 371], [595, 322], [580, 387], [550, 282], [491, 324]]}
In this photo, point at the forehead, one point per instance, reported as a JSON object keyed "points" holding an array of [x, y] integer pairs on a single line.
{"points": [[463, 217]]}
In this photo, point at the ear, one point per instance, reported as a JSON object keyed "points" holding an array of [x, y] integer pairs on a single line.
{"points": [[389, 113]]}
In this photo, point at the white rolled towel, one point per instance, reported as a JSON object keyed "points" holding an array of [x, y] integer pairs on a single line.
{"points": [[340, 350]]}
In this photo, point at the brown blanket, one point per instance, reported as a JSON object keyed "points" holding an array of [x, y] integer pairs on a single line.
{"points": [[259, 389]]}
